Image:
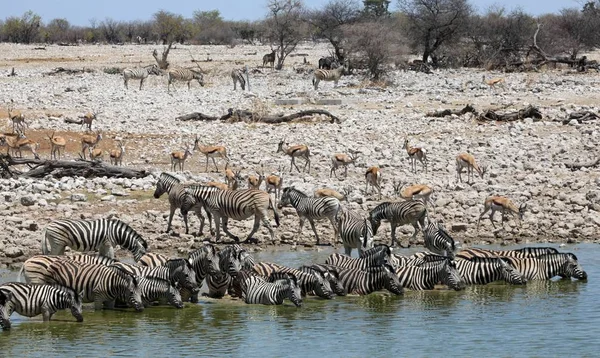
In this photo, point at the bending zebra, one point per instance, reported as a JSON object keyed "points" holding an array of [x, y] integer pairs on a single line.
{"points": [[259, 291], [328, 75], [231, 261], [311, 209], [330, 273], [32, 300], [438, 240], [205, 261], [183, 75], [99, 284], [481, 271], [377, 256], [139, 74], [364, 282], [308, 281], [426, 275], [179, 198], [35, 269], [179, 272], [355, 231], [237, 75], [526, 252], [90, 235], [399, 213], [545, 267], [156, 289]]}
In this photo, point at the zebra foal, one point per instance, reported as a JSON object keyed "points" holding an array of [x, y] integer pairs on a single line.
{"points": [[399, 213], [139, 74], [157, 289], [355, 231], [183, 75], [328, 75], [179, 197]]}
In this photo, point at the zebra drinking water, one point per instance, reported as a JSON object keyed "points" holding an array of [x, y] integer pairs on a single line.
{"points": [[545, 267], [179, 272], [259, 291], [89, 235], [35, 269], [139, 74], [483, 270], [427, 274], [377, 256], [330, 273], [526, 252], [232, 259], [179, 197], [355, 231], [157, 289], [363, 282], [308, 281], [399, 213]]}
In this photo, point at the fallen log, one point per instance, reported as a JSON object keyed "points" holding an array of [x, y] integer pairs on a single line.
{"points": [[448, 112], [248, 116], [581, 116], [73, 121], [68, 71], [528, 112], [577, 166]]}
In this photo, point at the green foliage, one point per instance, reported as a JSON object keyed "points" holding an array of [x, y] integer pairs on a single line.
{"points": [[169, 27], [24, 29]]}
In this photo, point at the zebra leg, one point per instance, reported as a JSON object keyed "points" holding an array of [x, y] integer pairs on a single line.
{"points": [[185, 220], [254, 230], [312, 225], [171, 213], [267, 223], [301, 224], [226, 230], [217, 226], [393, 227], [198, 212], [348, 250]]}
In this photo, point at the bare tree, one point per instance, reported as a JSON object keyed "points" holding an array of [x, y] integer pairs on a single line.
{"points": [[111, 30], [376, 8], [284, 26]]}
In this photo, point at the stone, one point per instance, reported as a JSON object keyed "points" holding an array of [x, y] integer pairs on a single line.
{"points": [[13, 252], [28, 200], [78, 197]]}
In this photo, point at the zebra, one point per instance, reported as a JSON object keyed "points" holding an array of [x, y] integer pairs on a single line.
{"points": [[328, 75], [32, 300], [232, 259], [88, 235], [329, 274], [237, 75], [483, 270], [5, 310], [427, 274], [99, 284], [259, 291], [437, 240], [153, 259], [201, 194], [524, 253], [545, 267], [176, 271], [308, 281], [157, 289], [205, 261], [240, 205], [179, 197], [377, 256], [139, 74], [311, 208], [35, 268], [399, 213], [364, 282], [355, 231], [185, 75]]}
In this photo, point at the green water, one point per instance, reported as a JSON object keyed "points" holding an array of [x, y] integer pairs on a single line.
{"points": [[549, 318]]}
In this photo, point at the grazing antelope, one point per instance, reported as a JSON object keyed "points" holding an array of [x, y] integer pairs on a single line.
{"points": [[10, 141], [57, 143], [17, 118], [88, 119], [90, 141], [504, 205], [373, 177], [178, 158], [323, 192], [116, 155], [415, 192], [219, 185], [466, 160], [269, 58], [493, 82], [96, 154], [341, 160], [211, 151], [415, 154], [232, 178], [295, 151], [255, 182], [26, 144], [274, 183]]}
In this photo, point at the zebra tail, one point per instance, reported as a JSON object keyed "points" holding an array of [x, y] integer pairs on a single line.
{"points": [[46, 247], [21, 273], [275, 213]]}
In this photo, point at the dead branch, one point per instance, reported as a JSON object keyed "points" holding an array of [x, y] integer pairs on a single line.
{"points": [[582, 116], [448, 112], [528, 112], [162, 62], [578, 166], [12, 73], [73, 121], [68, 71], [248, 116]]}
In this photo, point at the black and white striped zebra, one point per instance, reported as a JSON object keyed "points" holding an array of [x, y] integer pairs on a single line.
{"points": [[240, 205], [330, 273], [523, 253], [35, 269], [399, 213], [328, 75], [140, 73], [179, 197], [437, 240], [179, 272], [232, 259], [355, 231], [205, 262], [259, 291], [237, 75], [308, 281], [90, 235], [201, 193], [183, 75], [364, 282], [32, 300], [5, 310], [377, 256], [157, 289], [99, 284], [427, 274], [483, 270], [153, 259], [311, 209], [545, 267]]}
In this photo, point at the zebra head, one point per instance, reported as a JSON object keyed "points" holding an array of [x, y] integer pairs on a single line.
{"points": [[572, 268], [510, 274], [451, 277], [333, 277], [133, 241], [323, 288], [392, 283], [295, 292], [199, 77], [181, 271], [205, 260], [174, 296], [164, 183], [76, 300], [5, 298], [289, 196]]}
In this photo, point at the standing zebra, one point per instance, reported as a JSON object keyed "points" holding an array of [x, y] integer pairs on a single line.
{"points": [[259, 291], [328, 75], [240, 205], [89, 235], [184, 75], [35, 269], [139, 74], [437, 240], [311, 208], [483, 270], [156, 289], [308, 281], [399, 213], [363, 282], [32, 300], [237, 75], [355, 231], [377, 256], [427, 274], [179, 197], [201, 194], [545, 267], [99, 284]]}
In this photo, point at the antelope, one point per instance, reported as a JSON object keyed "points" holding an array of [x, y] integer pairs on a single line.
{"points": [[269, 58], [216, 184], [17, 118], [466, 160], [90, 141], [232, 177], [96, 154], [295, 151], [116, 155], [274, 183], [255, 182], [88, 118], [415, 192], [9, 140], [415, 154], [341, 160], [373, 177], [493, 82], [504, 205], [212, 152], [179, 157], [323, 192], [27, 145], [57, 143]]}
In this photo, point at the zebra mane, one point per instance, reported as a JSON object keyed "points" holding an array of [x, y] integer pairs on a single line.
{"points": [[168, 177], [137, 235], [174, 264], [559, 255], [124, 274], [442, 230], [294, 190], [378, 211]]}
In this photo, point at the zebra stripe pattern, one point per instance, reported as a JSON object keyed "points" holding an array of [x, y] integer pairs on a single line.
{"points": [[205, 262], [377, 256], [311, 209], [437, 240], [176, 271], [99, 284], [139, 74], [5, 310], [481, 271], [364, 282], [399, 213], [231, 261], [201, 193], [35, 269], [155, 289], [237, 75], [259, 291], [330, 273], [524, 253], [179, 198], [32, 300], [426, 275], [308, 281], [183, 75], [545, 267], [90, 235], [153, 259], [355, 231], [328, 75]]}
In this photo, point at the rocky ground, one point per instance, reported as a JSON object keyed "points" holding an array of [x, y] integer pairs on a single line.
{"points": [[525, 159]]}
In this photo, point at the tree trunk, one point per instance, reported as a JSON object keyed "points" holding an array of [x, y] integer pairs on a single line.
{"points": [[163, 64]]}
